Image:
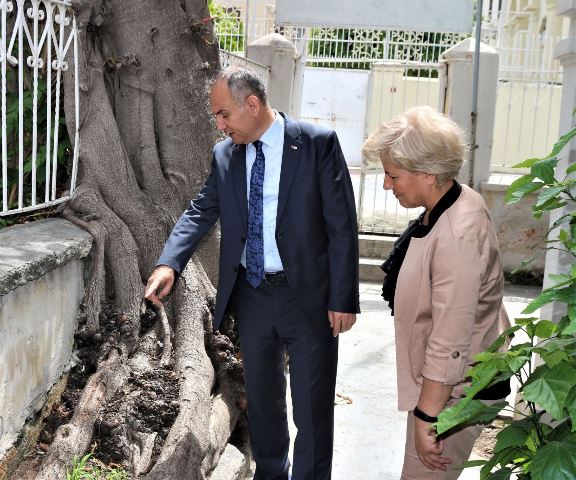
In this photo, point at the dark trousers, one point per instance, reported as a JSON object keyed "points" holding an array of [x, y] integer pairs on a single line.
{"points": [[270, 325]]}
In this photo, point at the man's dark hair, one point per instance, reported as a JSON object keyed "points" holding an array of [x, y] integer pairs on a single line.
{"points": [[243, 82]]}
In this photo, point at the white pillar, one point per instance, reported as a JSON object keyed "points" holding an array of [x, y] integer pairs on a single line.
{"points": [[456, 101], [277, 53], [565, 52]]}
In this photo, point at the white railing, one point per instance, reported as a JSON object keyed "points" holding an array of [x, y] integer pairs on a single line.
{"points": [[227, 58], [529, 89], [35, 39]]}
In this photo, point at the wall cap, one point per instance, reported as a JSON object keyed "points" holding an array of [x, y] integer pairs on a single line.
{"points": [[566, 8], [31, 250]]}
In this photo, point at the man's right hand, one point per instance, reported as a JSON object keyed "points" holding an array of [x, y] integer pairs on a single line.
{"points": [[159, 284]]}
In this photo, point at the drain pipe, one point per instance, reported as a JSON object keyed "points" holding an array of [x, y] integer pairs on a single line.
{"points": [[476, 73]]}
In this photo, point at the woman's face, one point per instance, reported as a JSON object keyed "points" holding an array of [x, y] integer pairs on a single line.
{"points": [[412, 189]]}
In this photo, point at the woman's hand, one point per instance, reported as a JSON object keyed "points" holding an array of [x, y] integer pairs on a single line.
{"points": [[429, 449]]}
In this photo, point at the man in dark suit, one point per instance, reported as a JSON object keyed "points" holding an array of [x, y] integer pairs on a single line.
{"points": [[288, 266]]}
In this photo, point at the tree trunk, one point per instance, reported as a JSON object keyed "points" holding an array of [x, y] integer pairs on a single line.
{"points": [[146, 137]]}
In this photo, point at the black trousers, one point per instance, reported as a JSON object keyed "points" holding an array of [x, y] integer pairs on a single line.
{"points": [[271, 324]]}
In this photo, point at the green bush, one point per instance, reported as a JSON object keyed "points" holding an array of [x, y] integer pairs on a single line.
{"points": [[540, 442], [228, 27]]}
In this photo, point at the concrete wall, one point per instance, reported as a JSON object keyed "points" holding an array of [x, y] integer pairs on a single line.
{"points": [[41, 286], [520, 235]]}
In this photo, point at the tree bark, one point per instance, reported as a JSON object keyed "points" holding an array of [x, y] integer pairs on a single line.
{"points": [[146, 137]]}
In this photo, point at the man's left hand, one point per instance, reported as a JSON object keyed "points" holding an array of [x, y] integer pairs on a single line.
{"points": [[341, 322]]}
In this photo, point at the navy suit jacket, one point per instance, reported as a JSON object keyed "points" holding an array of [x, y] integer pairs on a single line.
{"points": [[316, 227]]}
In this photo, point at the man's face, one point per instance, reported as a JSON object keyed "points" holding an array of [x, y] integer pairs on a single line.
{"points": [[239, 121]]}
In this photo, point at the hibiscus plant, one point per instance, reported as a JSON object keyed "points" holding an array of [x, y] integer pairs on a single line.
{"points": [[539, 441]]}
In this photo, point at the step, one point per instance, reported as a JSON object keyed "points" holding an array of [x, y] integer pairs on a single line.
{"points": [[370, 270], [376, 246]]}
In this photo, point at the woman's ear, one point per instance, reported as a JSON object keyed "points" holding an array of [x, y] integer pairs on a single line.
{"points": [[431, 179]]}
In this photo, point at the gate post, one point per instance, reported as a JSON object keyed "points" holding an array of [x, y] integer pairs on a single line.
{"points": [[565, 51], [277, 53], [456, 101]]}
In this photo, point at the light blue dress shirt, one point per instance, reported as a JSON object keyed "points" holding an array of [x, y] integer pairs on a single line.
{"points": [[272, 147]]}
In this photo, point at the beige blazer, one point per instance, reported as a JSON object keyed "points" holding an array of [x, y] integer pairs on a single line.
{"points": [[448, 302]]}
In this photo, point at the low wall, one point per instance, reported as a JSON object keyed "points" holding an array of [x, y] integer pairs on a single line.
{"points": [[520, 234], [41, 286]]}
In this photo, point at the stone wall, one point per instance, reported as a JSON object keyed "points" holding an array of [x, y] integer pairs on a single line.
{"points": [[41, 286]]}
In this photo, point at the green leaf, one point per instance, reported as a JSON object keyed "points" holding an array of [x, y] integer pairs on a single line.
{"points": [[563, 237], [544, 170], [545, 329], [555, 461], [517, 362], [511, 436], [526, 163], [561, 433], [550, 204], [547, 194], [503, 458], [547, 296], [570, 327], [559, 344], [551, 359], [502, 474], [523, 321], [521, 188], [563, 219], [467, 411], [550, 389], [571, 406], [562, 142], [571, 168]]}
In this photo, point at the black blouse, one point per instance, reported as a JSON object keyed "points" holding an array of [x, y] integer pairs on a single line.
{"points": [[418, 230]]}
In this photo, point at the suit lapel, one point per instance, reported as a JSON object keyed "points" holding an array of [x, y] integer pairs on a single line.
{"points": [[238, 167], [290, 158]]}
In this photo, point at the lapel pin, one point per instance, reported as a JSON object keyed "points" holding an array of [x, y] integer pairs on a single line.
{"points": [[293, 147]]}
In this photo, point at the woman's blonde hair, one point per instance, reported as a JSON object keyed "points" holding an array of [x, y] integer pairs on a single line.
{"points": [[419, 140]]}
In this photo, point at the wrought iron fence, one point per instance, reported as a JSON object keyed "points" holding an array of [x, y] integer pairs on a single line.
{"points": [[528, 98], [39, 164], [227, 58]]}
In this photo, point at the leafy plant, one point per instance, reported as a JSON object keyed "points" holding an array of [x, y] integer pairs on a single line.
{"points": [[228, 26], [540, 442], [87, 468]]}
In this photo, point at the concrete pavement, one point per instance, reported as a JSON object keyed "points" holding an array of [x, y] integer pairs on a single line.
{"points": [[369, 431]]}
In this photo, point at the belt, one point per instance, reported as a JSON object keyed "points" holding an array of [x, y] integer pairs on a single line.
{"points": [[276, 278], [271, 278]]}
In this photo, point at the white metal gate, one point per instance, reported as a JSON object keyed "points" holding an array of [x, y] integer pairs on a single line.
{"points": [[394, 88], [35, 38], [337, 98]]}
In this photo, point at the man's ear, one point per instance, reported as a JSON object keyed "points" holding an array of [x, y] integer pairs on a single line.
{"points": [[253, 104]]}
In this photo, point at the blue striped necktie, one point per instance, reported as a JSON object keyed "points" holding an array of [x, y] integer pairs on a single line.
{"points": [[255, 237]]}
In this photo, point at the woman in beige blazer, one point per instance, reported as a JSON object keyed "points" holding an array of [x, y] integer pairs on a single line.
{"points": [[444, 283]]}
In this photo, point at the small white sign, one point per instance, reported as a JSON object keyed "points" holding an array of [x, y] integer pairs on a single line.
{"points": [[418, 15]]}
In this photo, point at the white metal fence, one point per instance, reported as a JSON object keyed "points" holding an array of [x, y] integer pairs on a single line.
{"points": [[528, 98], [37, 162], [227, 59]]}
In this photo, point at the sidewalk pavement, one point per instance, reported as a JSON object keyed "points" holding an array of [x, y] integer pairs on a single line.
{"points": [[369, 430]]}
